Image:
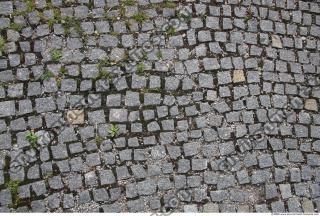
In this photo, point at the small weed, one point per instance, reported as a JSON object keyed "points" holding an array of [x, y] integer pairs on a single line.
{"points": [[110, 18], [139, 17], [129, 2], [169, 4], [155, 6], [2, 44], [249, 15], [48, 175], [13, 186], [69, 2], [63, 70], [56, 55], [171, 31], [122, 11], [159, 55], [51, 22], [126, 56], [30, 5], [103, 74], [203, 17], [103, 63], [46, 75], [58, 80], [56, 18], [32, 139], [16, 26], [113, 33], [71, 22], [114, 130], [144, 56], [140, 68], [127, 23], [57, 14], [99, 139], [184, 17]]}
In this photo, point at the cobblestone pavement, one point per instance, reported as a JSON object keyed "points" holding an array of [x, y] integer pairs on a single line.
{"points": [[158, 106]]}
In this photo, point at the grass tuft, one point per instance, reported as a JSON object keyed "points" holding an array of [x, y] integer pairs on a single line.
{"points": [[32, 138], [56, 55], [114, 131], [2, 44], [13, 186], [140, 68], [139, 17], [129, 2], [171, 31], [47, 75]]}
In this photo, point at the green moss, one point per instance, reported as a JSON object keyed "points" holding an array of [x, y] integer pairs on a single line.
{"points": [[2, 44], [56, 18], [103, 74], [129, 2], [103, 63], [70, 22], [169, 4], [56, 55], [140, 68], [139, 17], [30, 5], [69, 2], [46, 75], [13, 186], [16, 26], [113, 33]]}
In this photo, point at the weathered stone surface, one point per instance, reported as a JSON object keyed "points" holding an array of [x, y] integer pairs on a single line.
{"points": [[136, 106], [75, 117]]}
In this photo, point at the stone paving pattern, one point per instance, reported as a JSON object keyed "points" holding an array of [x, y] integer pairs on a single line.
{"points": [[145, 137]]}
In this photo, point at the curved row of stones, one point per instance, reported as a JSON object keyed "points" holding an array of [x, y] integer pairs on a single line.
{"points": [[221, 115]]}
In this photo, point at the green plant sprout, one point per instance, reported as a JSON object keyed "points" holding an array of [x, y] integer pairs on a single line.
{"points": [[47, 75], [114, 131], [2, 44], [13, 186], [63, 70], [139, 17], [32, 138], [171, 31], [249, 15], [159, 54], [169, 4], [71, 22], [99, 139], [56, 55], [103, 74], [140, 68], [129, 2]]}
